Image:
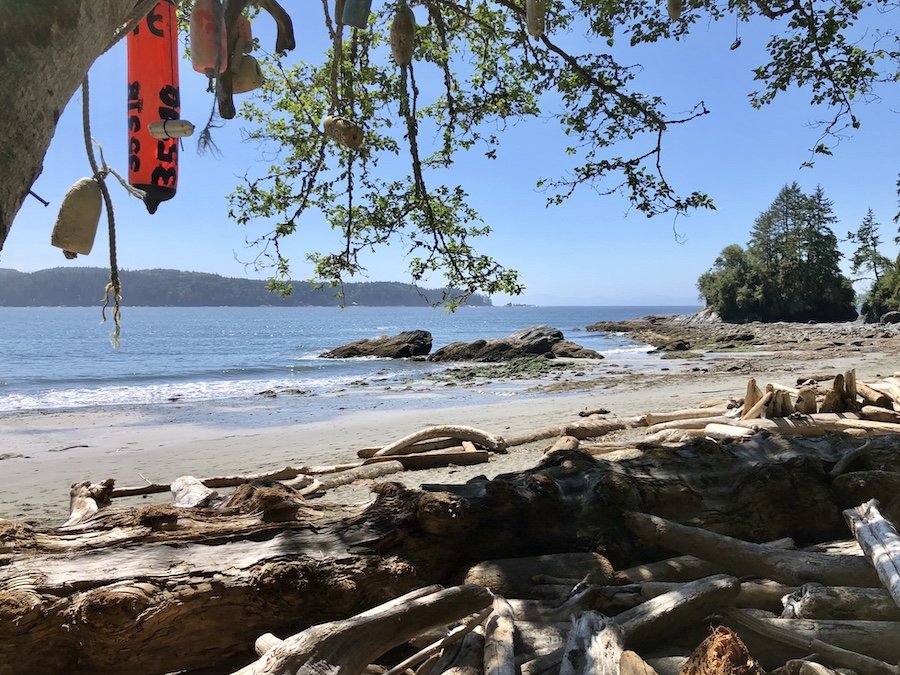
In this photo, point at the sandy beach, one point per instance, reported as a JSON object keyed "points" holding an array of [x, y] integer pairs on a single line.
{"points": [[43, 452]]}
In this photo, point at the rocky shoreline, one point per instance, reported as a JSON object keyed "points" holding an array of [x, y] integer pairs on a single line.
{"points": [[675, 334]]}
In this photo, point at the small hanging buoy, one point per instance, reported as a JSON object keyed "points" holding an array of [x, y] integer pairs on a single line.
{"points": [[153, 95], [674, 7], [79, 215], [535, 17], [209, 46], [245, 74], [356, 13], [245, 35], [343, 131], [403, 35], [166, 129]]}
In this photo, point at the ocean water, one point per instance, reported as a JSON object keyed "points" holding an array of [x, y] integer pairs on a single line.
{"points": [[60, 357]]}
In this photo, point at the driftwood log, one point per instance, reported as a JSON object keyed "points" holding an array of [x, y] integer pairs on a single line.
{"points": [[105, 596]]}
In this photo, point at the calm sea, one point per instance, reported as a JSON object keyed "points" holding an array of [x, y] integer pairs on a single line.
{"points": [[60, 357]]}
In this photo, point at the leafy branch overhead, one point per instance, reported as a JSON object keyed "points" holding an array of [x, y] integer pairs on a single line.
{"points": [[364, 139]]}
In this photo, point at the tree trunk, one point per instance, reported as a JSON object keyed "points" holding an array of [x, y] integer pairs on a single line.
{"points": [[106, 595], [47, 49]]}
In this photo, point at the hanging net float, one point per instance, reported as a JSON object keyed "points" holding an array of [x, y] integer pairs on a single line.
{"points": [[535, 17], [343, 131], [209, 46], [403, 35], [78, 217], [246, 74], [674, 8], [244, 43], [356, 13], [166, 129], [153, 96]]}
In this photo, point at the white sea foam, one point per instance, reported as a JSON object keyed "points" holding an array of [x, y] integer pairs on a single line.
{"points": [[639, 349]]}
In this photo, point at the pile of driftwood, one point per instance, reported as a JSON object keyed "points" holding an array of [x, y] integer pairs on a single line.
{"points": [[819, 405], [828, 607], [566, 567]]}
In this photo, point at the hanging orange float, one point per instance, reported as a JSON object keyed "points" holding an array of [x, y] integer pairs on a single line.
{"points": [[153, 96]]}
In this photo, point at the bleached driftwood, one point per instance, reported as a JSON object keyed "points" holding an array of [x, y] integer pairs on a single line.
{"points": [[839, 643], [283, 474], [753, 394], [689, 423], [873, 396], [433, 459], [880, 543], [652, 419], [459, 432], [364, 472], [672, 436], [762, 594], [469, 660], [563, 443], [86, 498], [879, 414], [758, 407], [682, 568], [655, 620], [499, 630], [744, 558], [351, 644], [594, 647], [579, 430], [455, 635], [188, 493], [421, 446], [814, 601], [721, 432], [806, 403]]}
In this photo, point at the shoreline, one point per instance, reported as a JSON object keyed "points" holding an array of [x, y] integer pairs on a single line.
{"points": [[159, 442]]}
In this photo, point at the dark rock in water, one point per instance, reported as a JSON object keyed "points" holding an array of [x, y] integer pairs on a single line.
{"points": [[675, 346], [404, 345], [890, 317], [532, 341]]}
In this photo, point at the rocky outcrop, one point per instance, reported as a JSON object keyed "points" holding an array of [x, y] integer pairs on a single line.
{"points": [[528, 342], [890, 317], [403, 345]]}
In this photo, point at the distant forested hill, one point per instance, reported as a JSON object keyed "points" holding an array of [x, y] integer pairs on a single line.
{"points": [[84, 286]]}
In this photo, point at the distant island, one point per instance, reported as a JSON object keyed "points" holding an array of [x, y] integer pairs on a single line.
{"points": [[83, 286]]}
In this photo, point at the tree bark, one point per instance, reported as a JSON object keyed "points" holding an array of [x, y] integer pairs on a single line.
{"points": [[48, 48]]}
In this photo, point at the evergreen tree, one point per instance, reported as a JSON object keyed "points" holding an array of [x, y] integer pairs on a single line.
{"points": [[866, 258], [790, 271]]}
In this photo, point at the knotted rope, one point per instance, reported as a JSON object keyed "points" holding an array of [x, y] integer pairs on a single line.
{"points": [[114, 287]]}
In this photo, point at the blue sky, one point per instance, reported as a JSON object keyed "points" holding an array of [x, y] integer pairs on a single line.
{"points": [[591, 250]]}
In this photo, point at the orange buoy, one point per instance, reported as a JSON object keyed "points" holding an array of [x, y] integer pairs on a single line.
{"points": [[209, 45], [153, 96]]}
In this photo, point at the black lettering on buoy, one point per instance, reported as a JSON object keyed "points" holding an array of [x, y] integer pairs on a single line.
{"points": [[153, 21]]}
